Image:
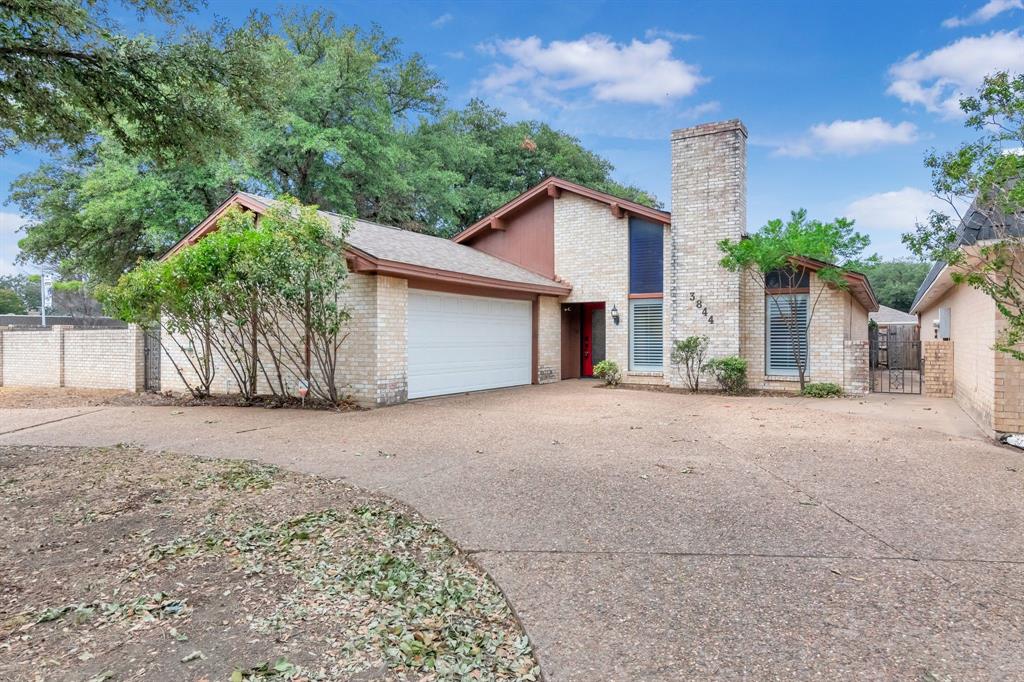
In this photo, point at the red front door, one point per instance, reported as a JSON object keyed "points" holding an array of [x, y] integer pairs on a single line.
{"points": [[587, 336]]}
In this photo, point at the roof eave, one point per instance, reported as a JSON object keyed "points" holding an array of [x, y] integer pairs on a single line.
{"points": [[624, 206], [366, 263], [209, 223]]}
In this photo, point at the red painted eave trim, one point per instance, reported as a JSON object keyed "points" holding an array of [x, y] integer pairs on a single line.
{"points": [[554, 186]]}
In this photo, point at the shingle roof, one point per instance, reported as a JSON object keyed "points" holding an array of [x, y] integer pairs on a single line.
{"points": [[976, 226], [402, 246], [886, 316]]}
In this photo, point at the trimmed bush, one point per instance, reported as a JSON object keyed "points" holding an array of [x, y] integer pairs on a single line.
{"points": [[822, 390], [688, 359], [730, 372], [608, 371]]}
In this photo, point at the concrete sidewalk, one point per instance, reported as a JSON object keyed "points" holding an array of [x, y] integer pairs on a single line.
{"points": [[645, 535]]}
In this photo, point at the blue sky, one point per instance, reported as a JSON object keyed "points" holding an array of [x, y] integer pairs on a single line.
{"points": [[841, 99]]}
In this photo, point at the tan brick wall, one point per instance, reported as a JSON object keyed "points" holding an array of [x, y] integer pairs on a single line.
{"points": [[856, 380], [708, 205], [837, 340], [973, 330], [75, 358], [356, 373], [592, 254], [32, 358], [1008, 389], [549, 339], [391, 374], [104, 358], [939, 376]]}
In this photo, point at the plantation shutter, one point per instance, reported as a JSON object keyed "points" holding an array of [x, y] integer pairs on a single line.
{"points": [[646, 341], [784, 332]]}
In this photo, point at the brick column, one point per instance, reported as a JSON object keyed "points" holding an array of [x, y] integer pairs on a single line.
{"points": [[137, 353], [549, 339], [1, 357], [59, 330], [938, 368], [855, 372], [709, 203], [391, 358]]}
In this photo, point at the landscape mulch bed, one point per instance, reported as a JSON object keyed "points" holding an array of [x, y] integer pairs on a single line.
{"points": [[117, 564]]}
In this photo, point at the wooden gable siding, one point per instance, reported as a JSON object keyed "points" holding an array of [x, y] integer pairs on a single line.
{"points": [[527, 238]]}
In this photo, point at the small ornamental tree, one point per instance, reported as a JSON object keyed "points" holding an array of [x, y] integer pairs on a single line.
{"points": [[265, 295], [155, 295], [984, 174], [781, 256], [688, 357]]}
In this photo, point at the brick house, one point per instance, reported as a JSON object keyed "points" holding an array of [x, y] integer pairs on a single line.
{"points": [[959, 327], [564, 276]]}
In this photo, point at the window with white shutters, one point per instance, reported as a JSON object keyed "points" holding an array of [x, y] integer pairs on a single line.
{"points": [[646, 341], [786, 332]]}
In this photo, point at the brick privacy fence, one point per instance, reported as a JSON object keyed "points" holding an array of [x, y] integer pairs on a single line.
{"points": [[75, 358], [938, 368]]}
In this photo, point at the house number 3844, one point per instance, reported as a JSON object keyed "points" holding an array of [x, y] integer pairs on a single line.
{"points": [[702, 308]]}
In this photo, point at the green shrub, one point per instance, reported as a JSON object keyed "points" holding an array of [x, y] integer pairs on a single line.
{"points": [[608, 371], [688, 359], [822, 390], [730, 372]]}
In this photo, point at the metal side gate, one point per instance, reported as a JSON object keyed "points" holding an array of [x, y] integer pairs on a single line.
{"points": [[151, 360], [895, 361]]}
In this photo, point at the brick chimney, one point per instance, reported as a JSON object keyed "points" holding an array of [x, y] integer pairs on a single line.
{"points": [[709, 203]]}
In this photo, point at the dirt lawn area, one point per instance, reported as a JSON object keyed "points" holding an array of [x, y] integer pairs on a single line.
{"points": [[642, 535], [120, 565]]}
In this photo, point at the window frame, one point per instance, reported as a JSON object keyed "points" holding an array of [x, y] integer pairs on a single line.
{"points": [[646, 302], [769, 306]]}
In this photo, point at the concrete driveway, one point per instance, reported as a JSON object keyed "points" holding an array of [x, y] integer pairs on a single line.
{"points": [[645, 535]]}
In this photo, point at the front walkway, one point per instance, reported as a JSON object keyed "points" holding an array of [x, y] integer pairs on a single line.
{"points": [[646, 535]]}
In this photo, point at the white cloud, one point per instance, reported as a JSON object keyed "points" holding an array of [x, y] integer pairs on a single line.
{"points": [[938, 80], [849, 137], [455, 54], [990, 10], [637, 72], [652, 33], [702, 109], [897, 211], [442, 20], [10, 224]]}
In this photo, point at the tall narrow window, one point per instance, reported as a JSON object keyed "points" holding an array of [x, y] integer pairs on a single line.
{"points": [[786, 333], [646, 341], [646, 257]]}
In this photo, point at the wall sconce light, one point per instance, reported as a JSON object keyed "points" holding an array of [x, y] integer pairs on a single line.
{"points": [[615, 314]]}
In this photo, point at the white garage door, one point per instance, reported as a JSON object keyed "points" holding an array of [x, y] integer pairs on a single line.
{"points": [[467, 343]]}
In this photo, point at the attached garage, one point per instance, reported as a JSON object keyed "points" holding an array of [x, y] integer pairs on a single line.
{"points": [[459, 343]]}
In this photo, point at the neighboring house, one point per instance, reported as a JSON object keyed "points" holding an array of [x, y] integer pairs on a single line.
{"points": [[988, 384], [886, 317], [564, 276]]}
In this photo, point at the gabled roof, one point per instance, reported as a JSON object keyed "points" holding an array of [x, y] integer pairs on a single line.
{"points": [[885, 316], [401, 253], [553, 187], [859, 286], [976, 226]]}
